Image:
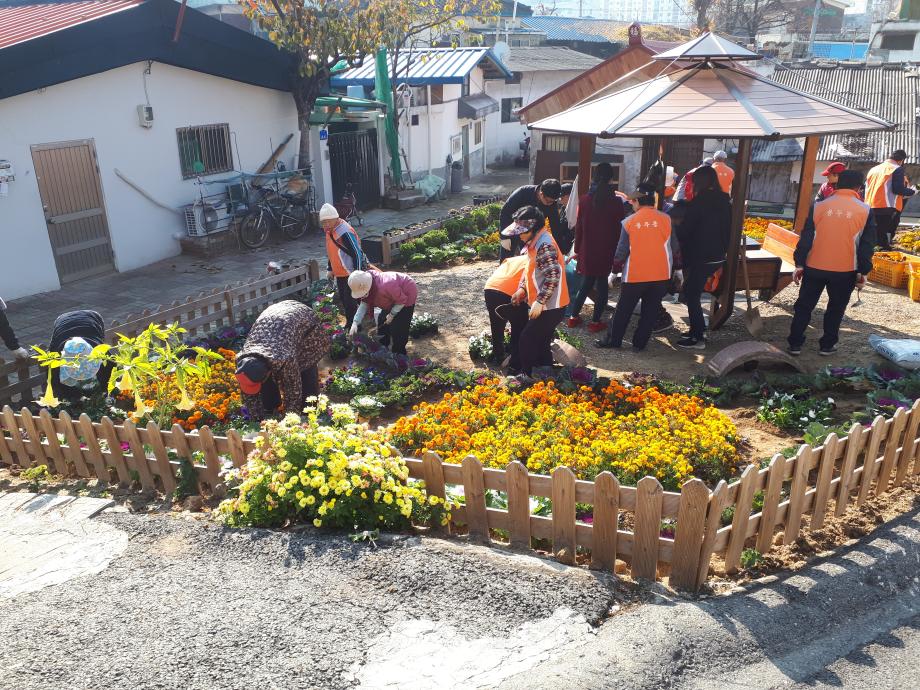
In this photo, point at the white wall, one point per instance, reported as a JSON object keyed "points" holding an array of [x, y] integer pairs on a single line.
{"points": [[102, 107], [503, 138]]}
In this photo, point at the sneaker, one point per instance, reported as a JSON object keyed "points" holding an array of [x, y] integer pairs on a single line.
{"points": [[597, 327], [574, 322], [606, 344], [688, 343], [795, 350], [663, 323], [827, 351]]}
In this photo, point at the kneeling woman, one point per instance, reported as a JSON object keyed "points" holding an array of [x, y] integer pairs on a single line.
{"points": [[543, 286], [499, 289], [395, 295]]}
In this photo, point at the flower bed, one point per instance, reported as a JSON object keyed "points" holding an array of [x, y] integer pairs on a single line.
{"points": [[633, 432], [460, 238], [755, 227]]}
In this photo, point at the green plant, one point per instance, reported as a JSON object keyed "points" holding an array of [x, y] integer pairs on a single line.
{"points": [[422, 325], [36, 475], [435, 238], [489, 250], [791, 412], [410, 247], [480, 346], [417, 261], [751, 558], [567, 336], [186, 480]]}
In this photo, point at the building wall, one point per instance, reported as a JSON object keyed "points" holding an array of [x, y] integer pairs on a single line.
{"points": [[503, 138], [102, 107]]}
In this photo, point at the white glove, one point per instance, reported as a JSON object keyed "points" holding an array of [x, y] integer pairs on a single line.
{"points": [[329, 276], [389, 319], [21, 353], [679, 278], [535, 310], [353, 331]]}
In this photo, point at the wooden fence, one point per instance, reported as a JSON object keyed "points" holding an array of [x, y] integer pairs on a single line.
{"points": [[798, 492], [23, 381]]}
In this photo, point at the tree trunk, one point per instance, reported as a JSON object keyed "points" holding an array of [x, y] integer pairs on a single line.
{"points": [[303, 152], [306, 91]]}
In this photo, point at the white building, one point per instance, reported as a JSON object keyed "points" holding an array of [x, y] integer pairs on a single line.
{"points": [[672, 12], [442, 106], [537, 72], [78, 123]]}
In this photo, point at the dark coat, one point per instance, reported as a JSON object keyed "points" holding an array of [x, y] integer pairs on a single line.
{"points": [[597, 231], [86, 324], [527, 196], [705, 230]]}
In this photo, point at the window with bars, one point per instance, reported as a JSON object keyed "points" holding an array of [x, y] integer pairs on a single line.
{"points": [[204, 150], [558, 142], [477, 133], [509, 105]]}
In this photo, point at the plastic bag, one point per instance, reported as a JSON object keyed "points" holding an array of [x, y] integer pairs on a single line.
{"points": [[902, 351]]}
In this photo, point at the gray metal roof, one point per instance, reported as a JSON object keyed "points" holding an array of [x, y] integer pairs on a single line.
{"points": [[548, 58], [708, 46], [888, 91], [427, 66], [778, 151]]}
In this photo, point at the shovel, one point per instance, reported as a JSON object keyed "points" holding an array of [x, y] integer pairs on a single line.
{"points": [[752, 320]]}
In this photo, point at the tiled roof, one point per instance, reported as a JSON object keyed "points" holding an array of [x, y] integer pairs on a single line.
{"points": [[429, 66], [888, 91], [24, 21], [596, 30], [548, 58]]}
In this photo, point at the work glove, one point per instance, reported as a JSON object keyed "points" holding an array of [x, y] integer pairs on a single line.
{"points": [[535, 310], [797, 275], [329, 276], [860, 280], [21, 353], [678, 279], [518, 296]]}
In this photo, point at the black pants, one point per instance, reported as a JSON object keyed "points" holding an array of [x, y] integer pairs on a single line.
{"points": [[600, 299], [395, 335], [650, 293], [695, 278], [349, 303], [271, 396], [517, 317], [535, 345], [839, 286], [6, 333], [886, 224]]}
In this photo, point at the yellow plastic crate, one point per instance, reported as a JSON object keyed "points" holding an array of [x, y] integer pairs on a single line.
{"points": [[889, 268], [913, 280]]}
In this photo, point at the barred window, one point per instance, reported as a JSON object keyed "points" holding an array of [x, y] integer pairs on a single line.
{"points": [[509, 105], [558, 142], [204, 150]]}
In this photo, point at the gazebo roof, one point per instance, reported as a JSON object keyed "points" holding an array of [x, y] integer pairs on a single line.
{"points": [[709, 100], [708, 46]]}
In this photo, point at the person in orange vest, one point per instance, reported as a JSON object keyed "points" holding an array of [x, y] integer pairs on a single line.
{"points": [[725, 173], [343, 247], [646, 253], [886, 189], [499, 289], [832, 173], [542, 285], [834, 254]]}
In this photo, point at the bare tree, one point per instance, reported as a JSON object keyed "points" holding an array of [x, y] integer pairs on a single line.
{"points": [[751, 17]]}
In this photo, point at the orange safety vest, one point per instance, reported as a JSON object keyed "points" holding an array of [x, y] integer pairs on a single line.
{"points": [[650, 257], [878, 187], [334, 253], [839, 223], [726, 176], [507, 277], [560, 295]]}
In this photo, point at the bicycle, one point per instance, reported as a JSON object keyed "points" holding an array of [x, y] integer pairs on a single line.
{"points": [[288, 212], [348, 206]]}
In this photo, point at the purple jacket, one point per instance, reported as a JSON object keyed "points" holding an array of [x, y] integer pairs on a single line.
{"points": [[391, 288]]}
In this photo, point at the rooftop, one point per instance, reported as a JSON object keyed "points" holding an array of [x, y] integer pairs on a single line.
{"points": [[24, 21], [428, 66], [548, 58]]}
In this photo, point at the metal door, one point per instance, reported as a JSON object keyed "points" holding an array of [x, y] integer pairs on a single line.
{"points": [[353, 159], [684, 154], [71, 192], [465, 133]]}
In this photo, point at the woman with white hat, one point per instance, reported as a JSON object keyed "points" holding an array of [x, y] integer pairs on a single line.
{"points": [[395, 295], [343, 247], [74, 335]]}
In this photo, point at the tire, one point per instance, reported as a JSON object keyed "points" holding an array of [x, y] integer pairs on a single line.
{"points": [[255, 228], [294, 221]]}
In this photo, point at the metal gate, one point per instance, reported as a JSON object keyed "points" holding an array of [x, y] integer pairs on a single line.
{"points": [[71, 194], [684, 154], [353, 159]]}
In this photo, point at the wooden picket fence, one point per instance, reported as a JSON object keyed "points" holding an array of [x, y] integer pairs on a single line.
{"points": [[823, 480], [23, 381]]}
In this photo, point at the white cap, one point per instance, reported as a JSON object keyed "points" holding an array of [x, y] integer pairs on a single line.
{"points": [[359, 282], [328, 212], [720, 155]]}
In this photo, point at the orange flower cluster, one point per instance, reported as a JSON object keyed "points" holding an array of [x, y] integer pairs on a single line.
{"points": [[755, 227], [632, 432]]}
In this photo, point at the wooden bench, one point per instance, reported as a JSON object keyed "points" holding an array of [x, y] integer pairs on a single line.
{"points": [[781, 243]]}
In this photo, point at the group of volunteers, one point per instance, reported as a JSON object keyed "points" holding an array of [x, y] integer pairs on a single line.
{"points": [[550, 263]]}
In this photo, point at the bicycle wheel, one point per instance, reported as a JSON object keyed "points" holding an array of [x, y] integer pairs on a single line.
{"points": [[294, 221], [255, 228]]}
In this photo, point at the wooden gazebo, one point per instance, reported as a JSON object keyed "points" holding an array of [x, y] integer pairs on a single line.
{"points": [[702, 92]]}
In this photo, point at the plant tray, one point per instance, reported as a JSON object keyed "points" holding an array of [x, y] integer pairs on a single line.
{"points": [[889, 271]]}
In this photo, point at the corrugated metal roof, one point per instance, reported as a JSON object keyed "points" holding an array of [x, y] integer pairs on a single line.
{"points": [[595, 30], [429, 66], [710, 102], [888, 91], [708, 45], [548, 58], [23, 21], [776, 151]]}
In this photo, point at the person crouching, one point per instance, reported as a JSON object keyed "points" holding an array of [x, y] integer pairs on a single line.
{"points": [[395, 295], [74, 335], [277, 367], [543, 286], [499, 290]]}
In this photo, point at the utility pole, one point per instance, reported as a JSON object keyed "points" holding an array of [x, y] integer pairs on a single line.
{"points": [[814, 29]]}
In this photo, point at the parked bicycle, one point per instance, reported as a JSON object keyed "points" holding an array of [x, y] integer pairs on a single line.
{"points": [[290, 213], [348, 206]]}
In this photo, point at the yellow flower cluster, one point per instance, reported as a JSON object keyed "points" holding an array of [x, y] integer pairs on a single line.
{"points": [[755, 227], [633, 432], [342, 476], [908, 241], [491, 238]]}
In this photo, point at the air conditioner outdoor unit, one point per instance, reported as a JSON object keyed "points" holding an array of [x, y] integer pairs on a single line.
{"points": [[202, 218], [145, 116]]}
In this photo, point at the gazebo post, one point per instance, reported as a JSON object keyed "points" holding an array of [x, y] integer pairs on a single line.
{"points": [[806, 175], [585, 155], [724, 304]]}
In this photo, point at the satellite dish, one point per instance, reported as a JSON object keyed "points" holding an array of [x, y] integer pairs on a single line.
{"points": [[501, 50]]}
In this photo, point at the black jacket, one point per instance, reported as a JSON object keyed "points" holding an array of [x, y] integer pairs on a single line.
{"points": [[83, 323], [527, 196], [705, 230], [6, 332]]}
